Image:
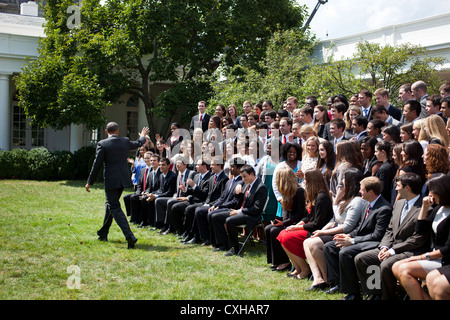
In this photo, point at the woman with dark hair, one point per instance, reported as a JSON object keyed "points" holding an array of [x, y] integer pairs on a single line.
{"points": [[293, 210], [371, 163], [220, 111], [327, 160], [347, 214], [340, 98], [386, 172], [320, 210], [391, 133], [412, 152], [291, 157], [406, 132], [232, 113], [321, 117], [436, 224], [348, 155]]}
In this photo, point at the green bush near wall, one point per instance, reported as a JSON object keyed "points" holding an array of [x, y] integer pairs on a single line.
{"points": [[41, 164]]}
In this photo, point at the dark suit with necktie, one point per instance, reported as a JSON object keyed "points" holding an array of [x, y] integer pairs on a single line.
{"points": [[340, 263], [141, 205], [228, 199], [216, 184], [167, 188], [195, 123], [402, 238], [113, 153], [252, 206]]}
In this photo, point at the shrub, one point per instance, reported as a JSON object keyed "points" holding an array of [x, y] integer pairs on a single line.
{"points": [[64, 165], [42, 164]]}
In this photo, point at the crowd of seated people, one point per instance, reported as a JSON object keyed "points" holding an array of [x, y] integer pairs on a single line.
{"points": [[353, 196]]}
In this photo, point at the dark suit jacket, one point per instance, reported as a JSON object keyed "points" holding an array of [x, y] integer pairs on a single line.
{"points": [[395, 112], [370, 231], [228, 198], [200, 193], [167, 185], [255, 202], [187, 174], [195, 120], [402, 237], [215, 189], [152, 186], [332, 141], [140, 184], [113, 152]]}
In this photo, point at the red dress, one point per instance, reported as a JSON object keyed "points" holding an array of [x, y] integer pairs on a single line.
{"points": [[317, 217]]}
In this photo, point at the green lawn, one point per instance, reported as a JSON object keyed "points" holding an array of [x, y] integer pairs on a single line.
{"points": [[48, 227]]}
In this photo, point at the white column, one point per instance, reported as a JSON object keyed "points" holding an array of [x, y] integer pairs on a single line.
{"points": [[5, 112]]}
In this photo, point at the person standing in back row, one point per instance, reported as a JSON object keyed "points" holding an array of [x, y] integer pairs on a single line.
{"points": [[113, 152]]}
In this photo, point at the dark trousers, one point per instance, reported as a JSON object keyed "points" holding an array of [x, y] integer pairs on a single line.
{"points": [[177, 214], [135, 207], [341, 267], [114, 211], [387, 282], [201, 218], [230, 235], [189, 221], [275, 253]]}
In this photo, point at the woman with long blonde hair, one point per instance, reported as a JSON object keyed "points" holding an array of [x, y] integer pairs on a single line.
{"points": [[293, 210], [436, 129]]}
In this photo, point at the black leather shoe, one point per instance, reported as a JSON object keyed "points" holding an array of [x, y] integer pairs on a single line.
{"points": [[333, 290], [143, 225], [352, 296], [131, 242], [220, 248], [374, 297], [186, 239], [232, 252], [102, 238], [206, 243], [319, 286], [194, 240]]}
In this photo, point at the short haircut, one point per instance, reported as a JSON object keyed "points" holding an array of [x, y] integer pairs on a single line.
{"points": [[372, 183], [339, 106], [377, 123], [406, 87], [367, 93], [340, 123], [412, 180], [288, 120], [435, 99], [272, 114], [361, 121], [283, 113], [414, 105], [378, 109], [446, 100], [248, 169], [445, 87], [307, 110], [165, 160], [382, 91], [112, 127], [155, 155], [237, 161], [254, 115]]}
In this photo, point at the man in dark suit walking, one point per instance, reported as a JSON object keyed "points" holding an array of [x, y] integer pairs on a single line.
{"points": [[399, 242], [113, 152], [253, 202], [340, 253]]}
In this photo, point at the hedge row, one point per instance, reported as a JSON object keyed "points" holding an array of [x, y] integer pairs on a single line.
{"points": [[41, 164]]}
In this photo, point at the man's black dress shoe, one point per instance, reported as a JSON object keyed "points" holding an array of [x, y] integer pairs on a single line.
{"points": [[131, 242], [102, 238], [233, 251], [220, 248], [352, 296], [206, 243], [194, 240], [334, 289], [319, 286]]}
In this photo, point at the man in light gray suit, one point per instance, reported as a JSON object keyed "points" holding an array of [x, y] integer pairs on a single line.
{"points": [[113, 152], [399, 242]]}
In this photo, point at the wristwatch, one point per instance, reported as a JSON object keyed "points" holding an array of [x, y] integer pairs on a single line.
{"points": [[427, 256]]}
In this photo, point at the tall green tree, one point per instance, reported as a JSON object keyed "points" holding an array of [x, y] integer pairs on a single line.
{"points": [[124, 46]]}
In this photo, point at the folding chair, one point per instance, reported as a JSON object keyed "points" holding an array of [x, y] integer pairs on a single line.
{"points": [[248, 237]]}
